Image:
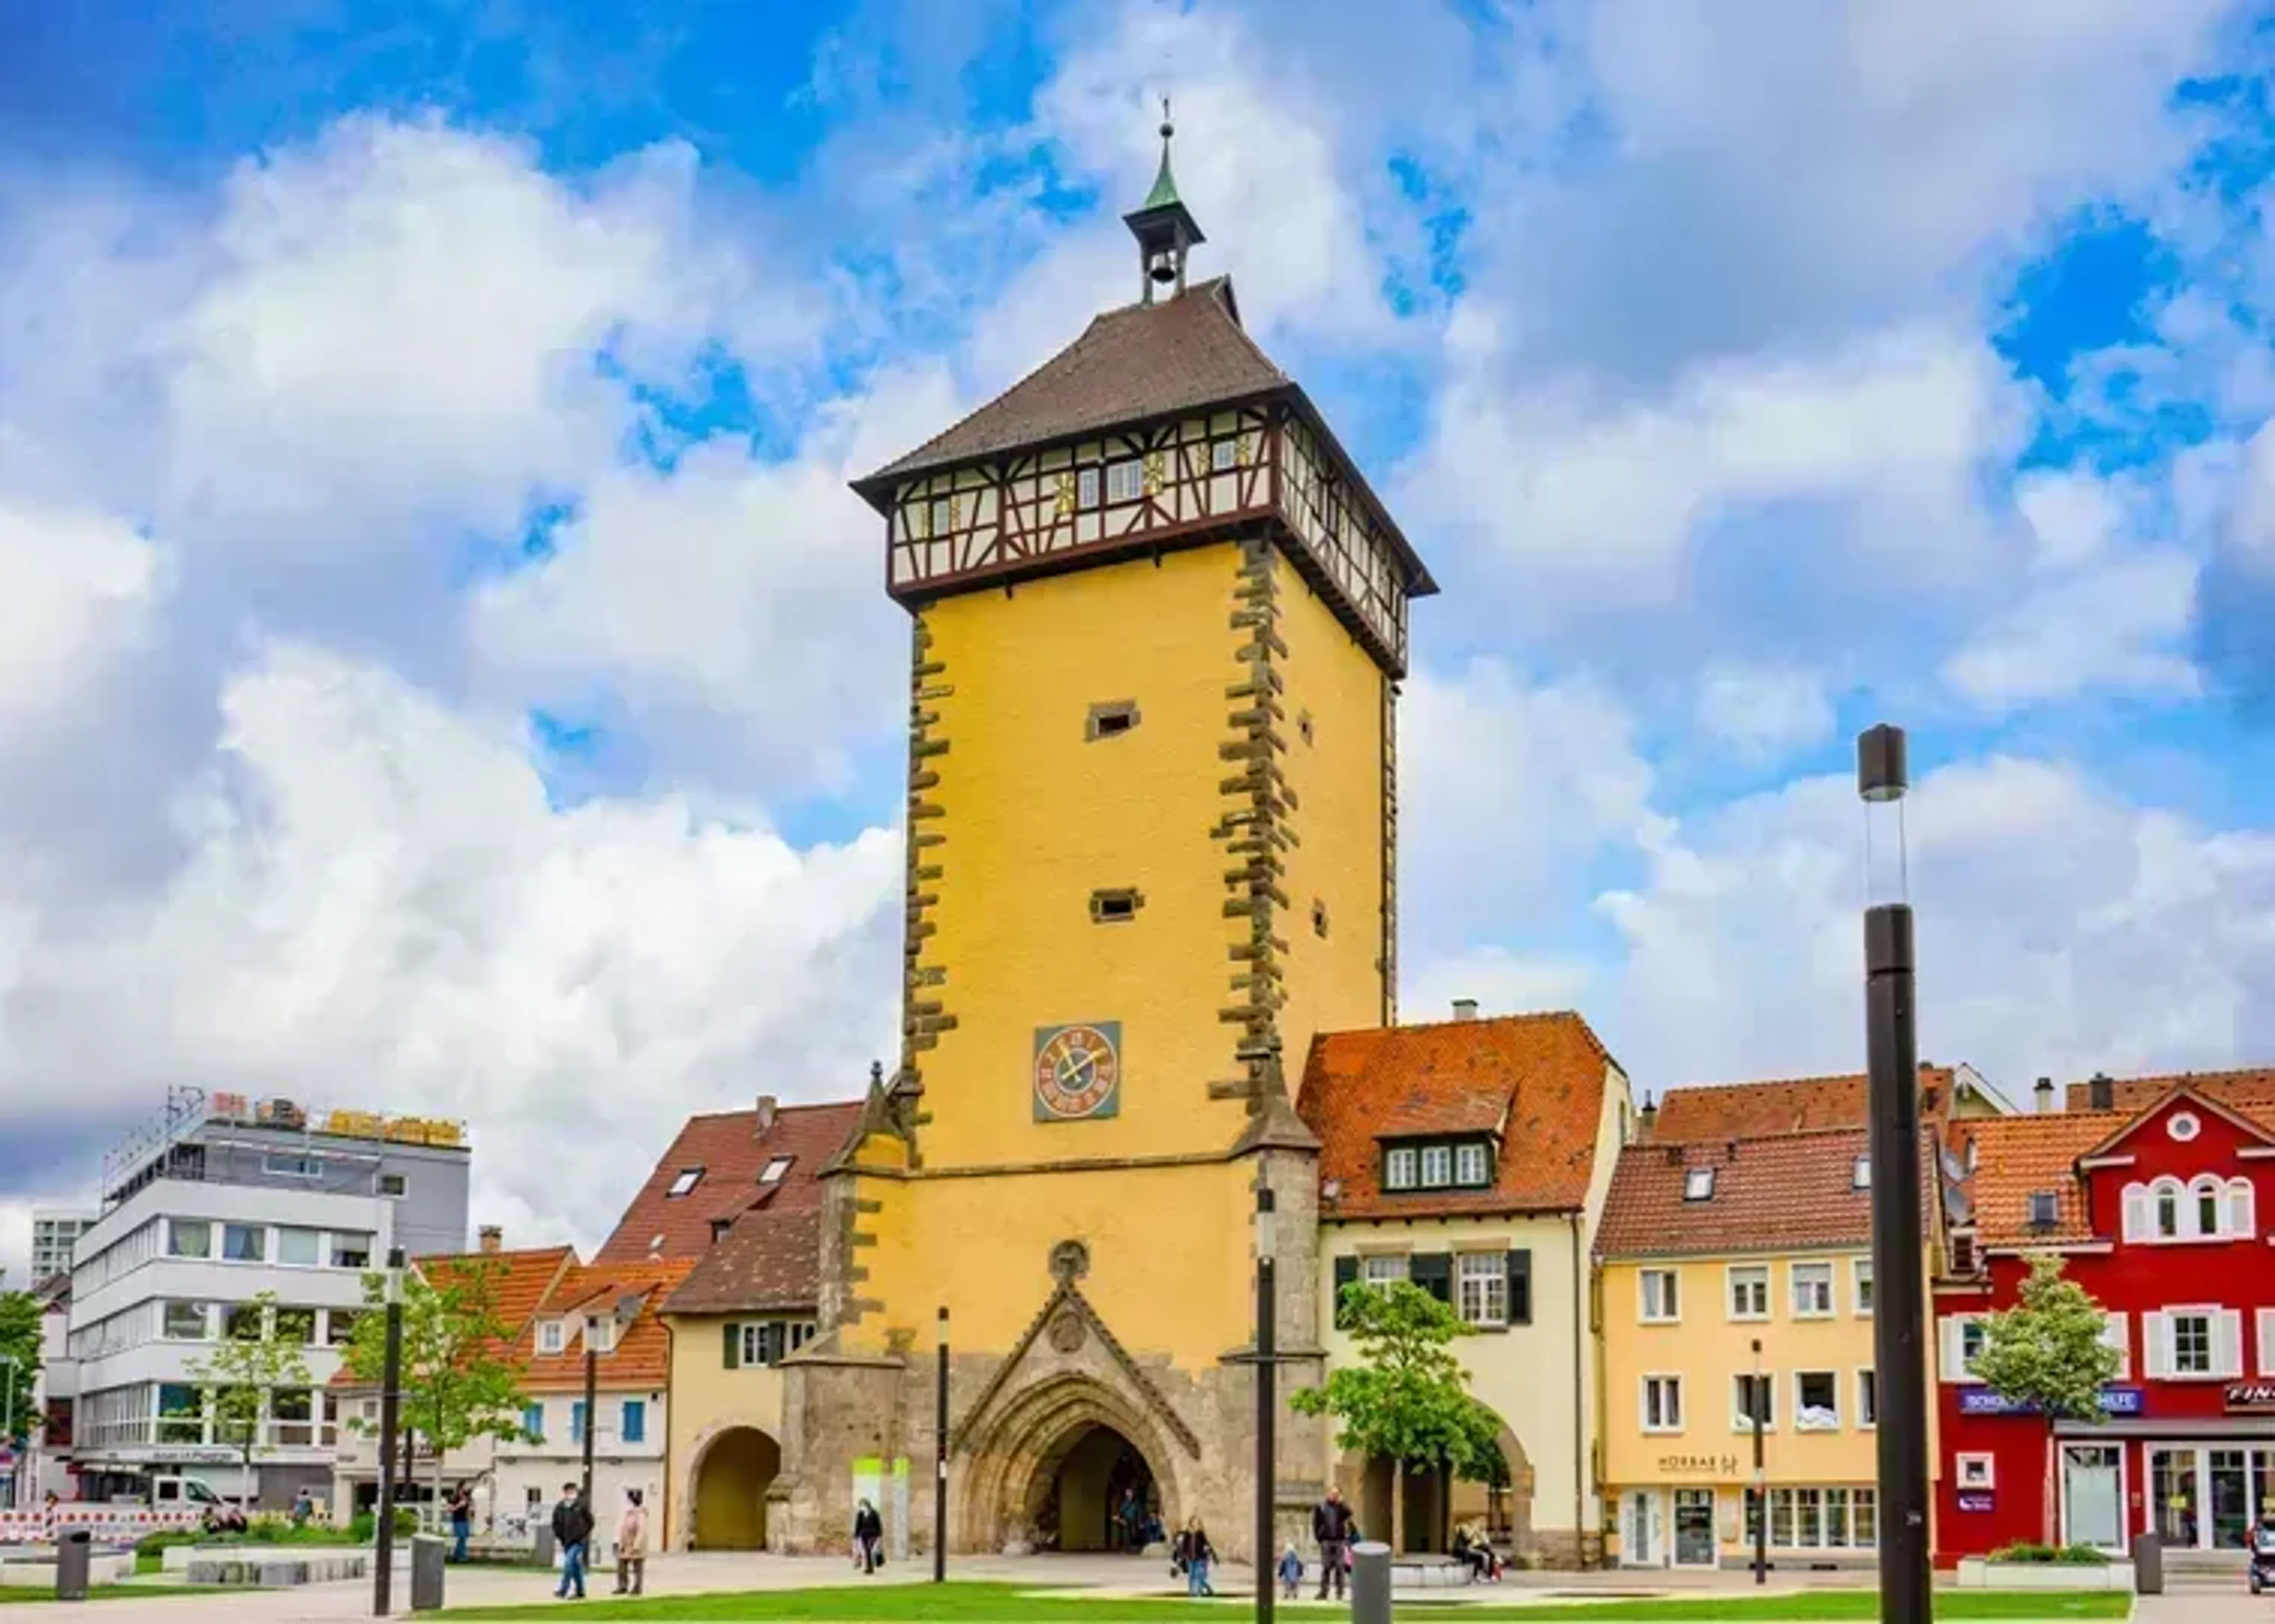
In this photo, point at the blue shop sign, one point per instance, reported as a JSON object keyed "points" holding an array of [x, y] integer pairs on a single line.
{"points": [[1982, 1402]]}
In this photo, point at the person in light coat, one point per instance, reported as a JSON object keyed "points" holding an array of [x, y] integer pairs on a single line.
{"points": [[631, 1544]]}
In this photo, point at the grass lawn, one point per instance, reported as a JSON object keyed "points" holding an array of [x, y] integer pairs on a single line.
{"points": [[1000, 1604], [13, 1594]]}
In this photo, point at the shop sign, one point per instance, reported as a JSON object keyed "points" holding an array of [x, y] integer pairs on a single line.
{"points": [[1975, 1500], [2249, 1398], [1699, 1465], [184, 1455], [1983, 1402]]}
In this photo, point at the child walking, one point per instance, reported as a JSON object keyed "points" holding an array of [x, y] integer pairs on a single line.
{"points": [[1291, 1574]]}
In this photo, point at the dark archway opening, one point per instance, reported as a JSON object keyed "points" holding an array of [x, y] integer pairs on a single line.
{"points": [[731, 1481], [1094, 1492]]}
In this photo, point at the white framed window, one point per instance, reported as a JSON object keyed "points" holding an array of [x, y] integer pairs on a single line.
{"points": [[551, 1337], [1382, 1268], [1749, 1291], [685, 1184], [601, 1333], [1815, 1401], [1125, 481], [2113, 1333], [1867, 1397], [1399, 1170], [1470, 1166], [1085, 486], [1752, 1395], [2200, 1341], [1961, 1337], [2242, 1211], [2191, 1344], [1860, 1279], [2209, 1198], [302, 1248], [1481, 1288], [1437, 1165], [2168, 1212], [775, 1170], [943, 515], [1699, 1184], [1662, 1403], [1223, 455], [2183, 1126], [1812, 1291], [1662, 1296], [1977, 1470], [1860, 1173]]}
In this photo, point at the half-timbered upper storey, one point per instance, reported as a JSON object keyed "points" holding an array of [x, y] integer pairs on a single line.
{"points": [[1163, 426]]}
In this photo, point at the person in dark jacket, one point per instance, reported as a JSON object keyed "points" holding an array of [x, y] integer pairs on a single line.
{"points": [[868, 1538], [572, 1530], [1194, 1556], [462, 1522], [1334, 1527]]}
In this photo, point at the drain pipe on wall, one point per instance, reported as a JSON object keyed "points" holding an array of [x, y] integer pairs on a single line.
{"points": [[1579, 1428]]}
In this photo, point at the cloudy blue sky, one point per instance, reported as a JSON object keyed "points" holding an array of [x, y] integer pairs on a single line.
{"points": [[442, 668]]}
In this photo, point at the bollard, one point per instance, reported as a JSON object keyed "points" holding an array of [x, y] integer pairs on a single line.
{"points": [[2148, 1565], [427, 1570], [72, 1551], [1370, 1583], [547, 1550]]}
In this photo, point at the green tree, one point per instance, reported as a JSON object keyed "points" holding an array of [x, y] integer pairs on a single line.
{"points": [[2047, 1355], [22, 1323], [459, 1381], [252, 1362], [1407, 1398]]}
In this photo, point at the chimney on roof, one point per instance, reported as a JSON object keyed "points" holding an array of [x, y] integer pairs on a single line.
{"points": [[2101, 1093], [1929, 1094], [2045, 1096], [1465, 1008], [1647, 1121], [769, 1109], [492, 1238]]}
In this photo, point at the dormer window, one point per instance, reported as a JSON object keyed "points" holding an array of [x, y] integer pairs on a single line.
{"points": [[773, 1172], [1699, 1184], [552, 1337], [688, 1179], [2046, 1209], [1399, 1169], [1471, 1167], [602, 1334], [1437, 1165], [1445, 1163]]}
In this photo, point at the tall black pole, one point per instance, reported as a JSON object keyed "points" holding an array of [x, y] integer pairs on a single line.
{"points": [[940, 1460], [591, 1413], [1898, 1314], [1761, 1477], [1267, 1353], [391, 1416]]}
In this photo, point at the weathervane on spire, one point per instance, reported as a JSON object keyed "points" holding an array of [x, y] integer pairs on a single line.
{"points": [[1164, 227]]}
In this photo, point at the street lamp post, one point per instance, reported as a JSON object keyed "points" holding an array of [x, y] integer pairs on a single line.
{"points": [[591, 1395], [939, 1459], [1761, 1477], [1898, 1316], [391, 1415], [1266, 1414]]}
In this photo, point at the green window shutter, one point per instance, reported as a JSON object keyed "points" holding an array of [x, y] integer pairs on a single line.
{"points": [[1520, 1288], [733, 1357], [1346, 1276], [1433, 1271]]}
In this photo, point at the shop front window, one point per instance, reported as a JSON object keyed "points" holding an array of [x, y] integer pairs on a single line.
{"points": [[2230, 1499], [2172, 1480]]}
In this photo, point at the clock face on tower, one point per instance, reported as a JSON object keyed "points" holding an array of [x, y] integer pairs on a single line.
{"points": [[1078, 1071]]}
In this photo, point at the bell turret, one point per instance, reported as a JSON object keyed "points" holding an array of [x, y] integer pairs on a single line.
{"points": [[1164, 227]]}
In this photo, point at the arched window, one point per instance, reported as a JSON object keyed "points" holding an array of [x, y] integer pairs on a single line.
{"points": [[2205, 1203], [2243, 1222], [2137, 1212], [2168, 1209]]}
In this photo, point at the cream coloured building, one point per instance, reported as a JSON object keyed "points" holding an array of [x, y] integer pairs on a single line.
{"points": [[1472, 1157]]}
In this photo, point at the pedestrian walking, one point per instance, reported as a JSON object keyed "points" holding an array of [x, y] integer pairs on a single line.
{"points": [[1194, 1555], [1333, 1526], [1291, 1574], [462, 1522], [868, 1538], [572, 1531], [631, 1544]]}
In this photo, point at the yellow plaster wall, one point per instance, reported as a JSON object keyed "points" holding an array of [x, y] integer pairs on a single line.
{"points": [[1170, 1251], [1334, 983], [705, 1396]]}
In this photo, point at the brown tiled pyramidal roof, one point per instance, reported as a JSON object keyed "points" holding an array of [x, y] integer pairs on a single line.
{"points": [[731, 1152], [1774, 1193], [522, 1280], [768, 1262], [1791, 1105], [1545, 1074], [1140, 362], [2244, 1089], [642, 1356]]}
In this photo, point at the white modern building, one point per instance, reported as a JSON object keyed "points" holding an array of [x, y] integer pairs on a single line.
{"points": [[53, 1231], [219, 1203]]}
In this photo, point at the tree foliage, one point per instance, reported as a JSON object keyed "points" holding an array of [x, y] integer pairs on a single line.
{"points": [[1406, 1397], [250, 1362], [21, 1331], [459, 1381], [2046, 1352]]}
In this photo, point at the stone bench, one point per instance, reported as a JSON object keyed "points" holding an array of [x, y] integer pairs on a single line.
{"points": [[1430, 1573], [39, 1573], [275, 1571]]}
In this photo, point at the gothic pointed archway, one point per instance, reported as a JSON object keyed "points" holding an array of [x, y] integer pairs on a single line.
{"points": [[1052, 1465]]}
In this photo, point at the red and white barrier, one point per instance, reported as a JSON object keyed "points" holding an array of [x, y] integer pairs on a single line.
{"points": [[38, 1525]]}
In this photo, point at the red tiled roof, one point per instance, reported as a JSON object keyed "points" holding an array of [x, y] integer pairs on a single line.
{"points": [[2017, 1157], [1774, 1192], [522, 1280], [1546, 1074], [1791, 1105], [2250, 1087], [769, 1261], [729, 1149], [642, 1356]]}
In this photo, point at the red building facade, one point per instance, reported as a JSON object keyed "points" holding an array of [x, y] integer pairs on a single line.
{"points": [[2154, 1198]]}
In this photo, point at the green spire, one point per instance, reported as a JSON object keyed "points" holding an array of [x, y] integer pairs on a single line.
{"points": [[1164, 195]]}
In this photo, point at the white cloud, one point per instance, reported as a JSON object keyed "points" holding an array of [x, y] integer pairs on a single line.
{"points": [[75, 589], [379, 908], [2113, 625], [1500, 981], [1764, 711]]}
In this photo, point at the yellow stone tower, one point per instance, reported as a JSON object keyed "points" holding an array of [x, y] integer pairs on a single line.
{"points": [[1159, 621]]}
